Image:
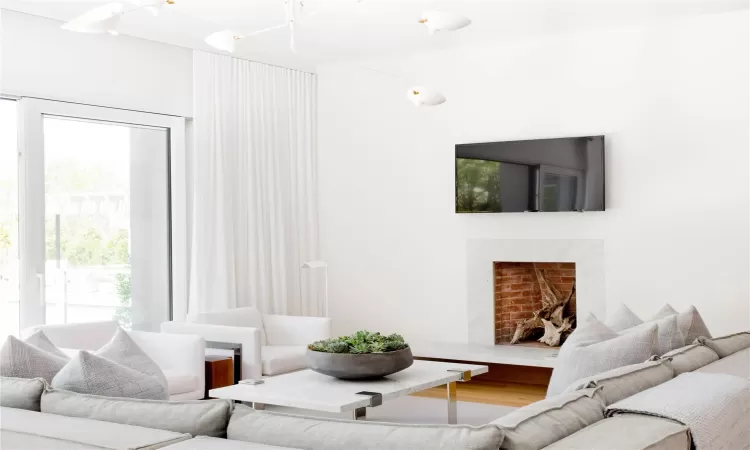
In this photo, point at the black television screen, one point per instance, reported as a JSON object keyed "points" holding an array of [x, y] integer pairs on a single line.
{"points": [[564, 174]]}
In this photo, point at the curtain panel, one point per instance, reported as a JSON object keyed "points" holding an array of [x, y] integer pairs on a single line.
{"points": [[254, 188]]}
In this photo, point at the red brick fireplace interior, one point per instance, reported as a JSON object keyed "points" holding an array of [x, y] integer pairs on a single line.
{"points": [[518, 294]]}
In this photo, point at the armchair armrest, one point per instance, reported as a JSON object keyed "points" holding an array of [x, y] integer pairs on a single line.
{"points": [[248, 337], [295, 330], [175, 352]]}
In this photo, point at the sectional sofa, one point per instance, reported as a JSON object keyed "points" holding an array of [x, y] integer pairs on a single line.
{"points": [[33, 415]]}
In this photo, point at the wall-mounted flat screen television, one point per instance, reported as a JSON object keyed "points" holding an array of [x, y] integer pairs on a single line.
{"points": [[539, 175]]}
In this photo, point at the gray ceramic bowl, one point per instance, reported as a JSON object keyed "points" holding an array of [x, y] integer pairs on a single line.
{"points": [[347, 366]]}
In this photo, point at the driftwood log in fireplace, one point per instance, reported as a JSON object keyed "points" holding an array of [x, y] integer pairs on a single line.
{"points": [[553, 323]]}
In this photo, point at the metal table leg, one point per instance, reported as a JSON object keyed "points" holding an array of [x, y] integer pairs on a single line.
{"points": [[452, 403], [376, 399], [359, 414]]}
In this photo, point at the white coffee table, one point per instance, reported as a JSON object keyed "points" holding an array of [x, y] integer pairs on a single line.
{"points": [[306, 389]]}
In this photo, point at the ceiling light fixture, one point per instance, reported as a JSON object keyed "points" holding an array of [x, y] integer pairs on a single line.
{"points": [[424, 96], [442, 21], [106, 18]]}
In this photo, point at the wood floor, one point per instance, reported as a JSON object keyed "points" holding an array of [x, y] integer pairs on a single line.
{"points": [[491, 392]]}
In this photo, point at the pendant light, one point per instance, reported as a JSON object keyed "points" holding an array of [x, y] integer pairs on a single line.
{"points": [[102, 19], [424, 96], [443, 21]]}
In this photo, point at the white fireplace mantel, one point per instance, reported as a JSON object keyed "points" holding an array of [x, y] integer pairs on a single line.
{"points": [[587, 254]]}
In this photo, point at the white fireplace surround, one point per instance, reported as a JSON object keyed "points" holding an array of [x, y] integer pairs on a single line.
{"points": [[587, 254]]}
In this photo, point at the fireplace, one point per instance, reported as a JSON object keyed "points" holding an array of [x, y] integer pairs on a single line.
{"points": [[523, 289]]}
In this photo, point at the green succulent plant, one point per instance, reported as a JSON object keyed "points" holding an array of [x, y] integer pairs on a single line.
{"points": [[361, 342]]}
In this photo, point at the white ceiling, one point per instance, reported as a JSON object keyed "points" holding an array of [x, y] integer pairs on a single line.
{"points": [[343, 30]]}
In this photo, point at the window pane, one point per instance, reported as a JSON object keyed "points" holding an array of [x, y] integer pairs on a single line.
{"points": [[107, 223]]}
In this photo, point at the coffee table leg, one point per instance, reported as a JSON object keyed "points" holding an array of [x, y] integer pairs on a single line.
{"points": [[259, 406], [452, 404], [359, 414]]}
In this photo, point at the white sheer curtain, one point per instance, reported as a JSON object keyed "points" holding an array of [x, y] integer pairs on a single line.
{"points": [[254, 187]]}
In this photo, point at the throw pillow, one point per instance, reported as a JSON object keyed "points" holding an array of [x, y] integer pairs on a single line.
{"points": [[690, 322], [21, 393], [90, 374], [669, 335], [40, 340], [547, 421], [19, 359], [123, 350], [622, 318], [593, 348]]}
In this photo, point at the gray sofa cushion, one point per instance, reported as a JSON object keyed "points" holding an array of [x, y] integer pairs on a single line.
{"points": [[40, 340], [669, 336], [21, 360], [690, 321], [726, 345], [196, 417], [621, 318], [629, 432], [623, 382], [333, 434], [123, 350], [209, 443], [593, 348], [542, 423], [21, 393], [33, 430], [690, 357], [90, 374]]}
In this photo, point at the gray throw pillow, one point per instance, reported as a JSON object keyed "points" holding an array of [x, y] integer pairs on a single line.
{"points": [[593, 348], [669, 335], [317, 433], [195, 417], [540, 424], [690, 322], [123, 350], [90, 374], [21, 360], [21, 393], [40, 340], [622, 318]]}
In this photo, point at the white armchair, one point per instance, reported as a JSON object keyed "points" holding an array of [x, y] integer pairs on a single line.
{"points": [[181, 357], [271, 344]]}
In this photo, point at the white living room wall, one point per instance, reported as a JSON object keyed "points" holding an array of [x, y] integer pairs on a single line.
{"points": [[38, 59], [672, 99]]}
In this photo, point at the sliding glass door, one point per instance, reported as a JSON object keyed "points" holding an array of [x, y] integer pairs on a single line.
{"points": [[97, 215], [9, 295]]}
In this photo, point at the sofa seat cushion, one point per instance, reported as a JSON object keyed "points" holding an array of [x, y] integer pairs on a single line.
{"points": [[540, 424], [628, 432], [181, 382], [209, 443], [690, 358], [623, 382], [22, 429], [21, 393], [317, 433], [195, 417], [278, 359]]}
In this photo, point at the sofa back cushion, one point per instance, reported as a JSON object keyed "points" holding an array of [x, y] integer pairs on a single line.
{"points": [[542, 423], [195, 417], [238, 317], [21, 393], [310, 433], [629, 432], [593, 348], [690, 358], [726, 345], [34, 430], [669, 336], [623, 382]]}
